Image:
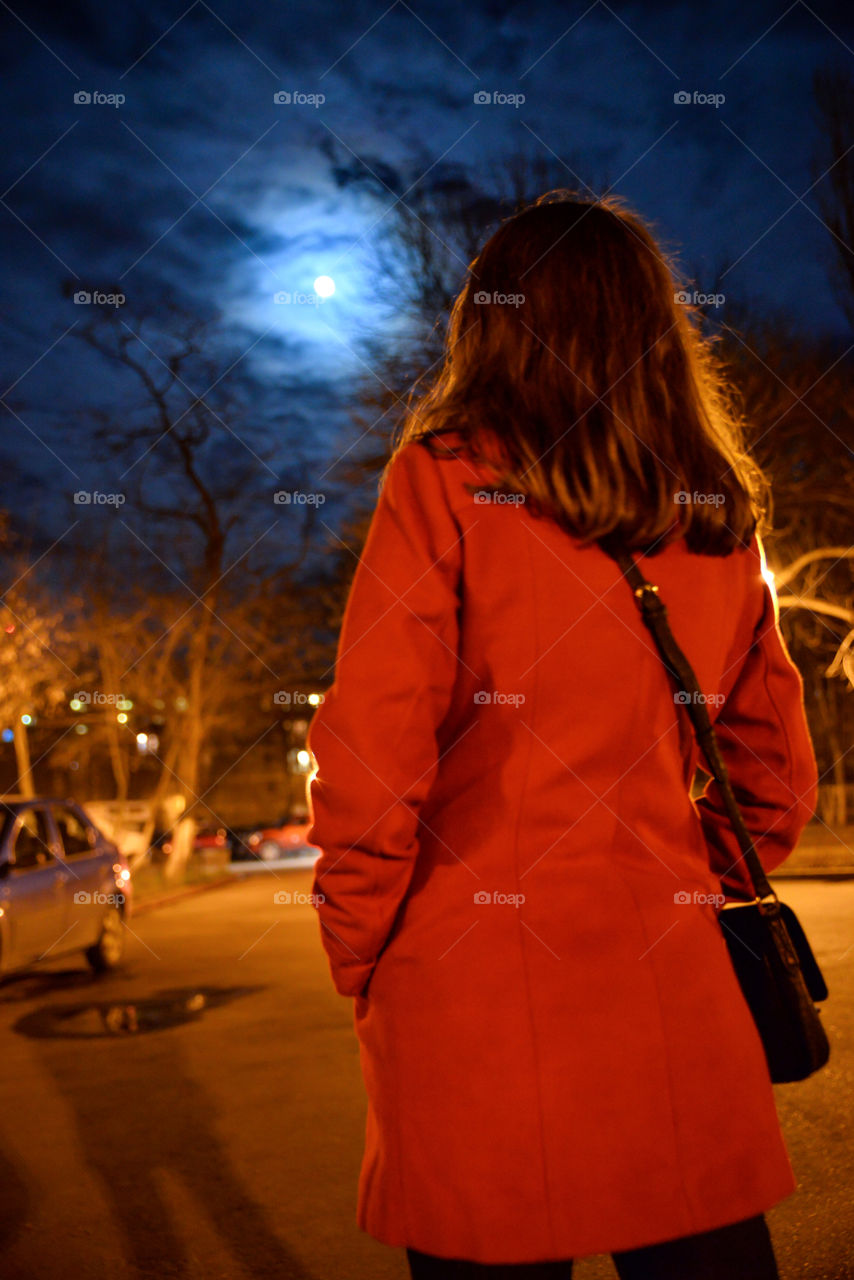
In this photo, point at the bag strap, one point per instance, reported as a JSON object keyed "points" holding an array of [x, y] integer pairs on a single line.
{"points": [[654, 614]]}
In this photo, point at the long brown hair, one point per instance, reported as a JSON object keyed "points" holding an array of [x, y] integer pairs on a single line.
{"points": [[575, 371]]}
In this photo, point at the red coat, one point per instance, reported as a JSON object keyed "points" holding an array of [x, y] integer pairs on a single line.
{"points": [[557, 1056]]}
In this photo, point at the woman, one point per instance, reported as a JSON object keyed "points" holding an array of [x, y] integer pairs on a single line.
{"points": [[517, 887]]}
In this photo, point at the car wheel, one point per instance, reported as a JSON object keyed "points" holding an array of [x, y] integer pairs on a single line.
{"points": [[269, 851], [109, 949]]}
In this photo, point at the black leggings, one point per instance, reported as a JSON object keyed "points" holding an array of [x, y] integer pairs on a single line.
{"points": [[742, 1251]]}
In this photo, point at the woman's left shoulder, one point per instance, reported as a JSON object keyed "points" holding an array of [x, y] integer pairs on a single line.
{"points": [[437, 465]]}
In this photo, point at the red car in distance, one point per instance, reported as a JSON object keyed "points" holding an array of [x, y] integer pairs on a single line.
{"points": [[288, 839]]}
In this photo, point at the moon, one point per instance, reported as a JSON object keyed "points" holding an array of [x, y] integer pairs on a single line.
{"points": [[324, 286]]}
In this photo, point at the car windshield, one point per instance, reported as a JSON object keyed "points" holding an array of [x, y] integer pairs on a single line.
{"points": [[8, 817]]}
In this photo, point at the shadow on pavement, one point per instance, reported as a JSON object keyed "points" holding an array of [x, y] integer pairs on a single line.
{"points": [[144, 1125], [29, 984], [16, 1202]]}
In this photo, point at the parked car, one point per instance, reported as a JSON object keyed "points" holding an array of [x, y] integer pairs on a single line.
{"points": [[64, 887], [207, 841], [211, 838], [128, 823], [283, 840]]}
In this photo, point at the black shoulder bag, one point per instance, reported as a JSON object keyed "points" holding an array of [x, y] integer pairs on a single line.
{"points": [[773, 961]]}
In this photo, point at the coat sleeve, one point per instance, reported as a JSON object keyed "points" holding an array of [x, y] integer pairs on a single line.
{"points": [[374, 737], [766, 745]]}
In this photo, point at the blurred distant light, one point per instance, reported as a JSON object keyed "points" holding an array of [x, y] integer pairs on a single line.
{"points": [[8, 735], [314, 699], [26, 719], [10, 629], [181, 704], [142, 740], [122, 718], [325, 286], [81, 728], [303, 759], [124, 704], [75, 704]]}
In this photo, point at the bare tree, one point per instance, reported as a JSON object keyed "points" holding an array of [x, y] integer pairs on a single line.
{"points": [[202, 485], [796, 399], [33, 674]]}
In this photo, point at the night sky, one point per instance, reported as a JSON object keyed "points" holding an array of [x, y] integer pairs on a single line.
{"points": [[199, 186]]}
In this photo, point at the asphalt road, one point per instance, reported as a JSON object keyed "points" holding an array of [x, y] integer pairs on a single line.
{"points": [[222, 1136]]}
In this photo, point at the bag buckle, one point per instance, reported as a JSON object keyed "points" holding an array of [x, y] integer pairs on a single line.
{"points": [[751, 902]]}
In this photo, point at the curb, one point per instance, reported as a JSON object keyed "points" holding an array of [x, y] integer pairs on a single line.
{"points": [[150, 904], [820, 855], [298, 862], [828, 862], [813, 873]]}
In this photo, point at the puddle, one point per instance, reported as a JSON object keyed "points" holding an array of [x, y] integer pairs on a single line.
{"points": [[112, 1019]]}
